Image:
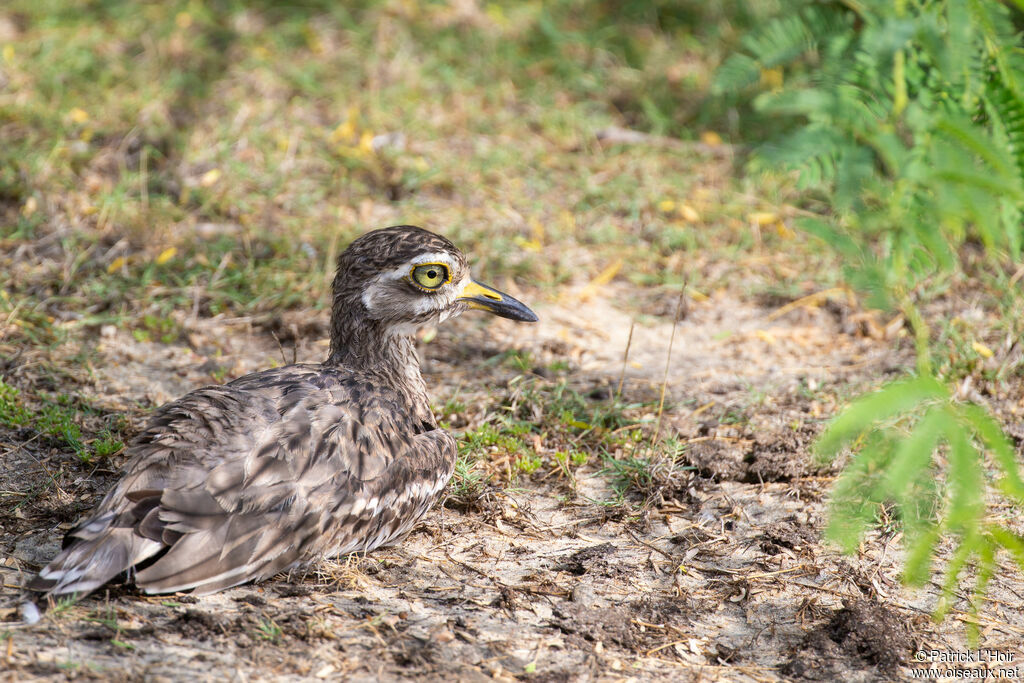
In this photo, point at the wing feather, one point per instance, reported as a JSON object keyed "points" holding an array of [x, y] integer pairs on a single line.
{"points": [[242, 481]]}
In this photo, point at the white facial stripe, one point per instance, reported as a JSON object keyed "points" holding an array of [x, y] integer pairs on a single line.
{"points": [[383, 301], [402, 272], [425, 305]]}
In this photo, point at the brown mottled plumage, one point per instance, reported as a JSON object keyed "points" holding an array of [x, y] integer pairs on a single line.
{"points": [[238, 482]]}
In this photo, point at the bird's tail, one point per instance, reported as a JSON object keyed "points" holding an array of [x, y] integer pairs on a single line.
{"points": [[97, 552]]}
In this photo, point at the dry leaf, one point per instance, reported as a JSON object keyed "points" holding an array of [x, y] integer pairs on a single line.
{"points": [[763, 218], [982, 350], [711, 138], [117, 264], [689, 214], [210, 178], [602, 279], [166, 255]]}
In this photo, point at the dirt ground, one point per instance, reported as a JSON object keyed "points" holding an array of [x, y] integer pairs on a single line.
{"points": [[723, 577]]}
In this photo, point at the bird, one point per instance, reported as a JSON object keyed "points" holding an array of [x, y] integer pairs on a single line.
{"points": [[280, 468]]}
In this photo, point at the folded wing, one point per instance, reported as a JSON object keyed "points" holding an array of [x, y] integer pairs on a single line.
{"points": [[239, 482]]}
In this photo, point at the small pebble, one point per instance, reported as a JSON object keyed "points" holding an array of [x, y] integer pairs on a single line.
{"points": [[29, 612]]}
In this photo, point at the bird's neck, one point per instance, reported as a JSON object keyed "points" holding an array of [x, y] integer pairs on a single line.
{"points": [[364, 347]]}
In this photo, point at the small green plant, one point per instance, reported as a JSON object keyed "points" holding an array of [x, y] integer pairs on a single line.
{"points": [[453, 406], [504, 436], [220, 373], [574, 458], [567, 462], [468, 481], [936, 460], [12, 413], [268, 630], [570, 430], [57, 419], [521, 361], [528, 463], [108, 618], [154, 327], [106, 444], [648, 470], [559, 366], [61, 606]]}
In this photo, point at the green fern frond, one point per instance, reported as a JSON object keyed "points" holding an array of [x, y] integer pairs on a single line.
{"points": [[811, 152], [736, 73], [920, 550], [1011, 541], [909, 118], [1006, 109], [780, 42], [1011, 482], [893, 400], [974, 141]]}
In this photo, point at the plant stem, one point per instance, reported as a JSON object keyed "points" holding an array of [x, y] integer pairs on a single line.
{"points": [[921, 334]]}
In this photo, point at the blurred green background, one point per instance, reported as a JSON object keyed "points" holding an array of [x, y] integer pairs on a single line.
{"points": [[255, 138]]}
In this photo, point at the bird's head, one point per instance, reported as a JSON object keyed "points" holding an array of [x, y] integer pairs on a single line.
{"points": [[405, 277]]}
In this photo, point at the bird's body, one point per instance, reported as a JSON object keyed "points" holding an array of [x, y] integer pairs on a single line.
{"points": [[279, 468]]}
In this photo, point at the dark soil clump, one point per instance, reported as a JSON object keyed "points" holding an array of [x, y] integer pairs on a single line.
{"points": [[862, 633]]}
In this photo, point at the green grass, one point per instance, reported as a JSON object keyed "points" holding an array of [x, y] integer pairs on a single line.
{"points": [[108, 618], [268, 630], [57, 419], [545, 428], [648, 471], [61, 607], [213, 159]]}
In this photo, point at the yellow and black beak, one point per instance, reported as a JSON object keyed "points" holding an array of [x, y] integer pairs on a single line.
{"points": [[483, 297]]}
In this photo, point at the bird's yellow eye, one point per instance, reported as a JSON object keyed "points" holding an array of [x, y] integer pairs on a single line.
{"points": [[431, 275]]}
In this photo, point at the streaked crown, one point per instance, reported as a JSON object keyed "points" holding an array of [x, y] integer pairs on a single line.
{"points": [[393, 281]]}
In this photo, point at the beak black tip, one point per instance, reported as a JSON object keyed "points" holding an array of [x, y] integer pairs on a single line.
{"points": [[516, 311], [499, 303]]}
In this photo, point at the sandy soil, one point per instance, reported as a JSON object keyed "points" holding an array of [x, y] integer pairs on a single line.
{"points": [[723, 576]]}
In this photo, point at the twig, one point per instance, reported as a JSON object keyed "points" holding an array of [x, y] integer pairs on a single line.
{"points": [[625, 358], [662, 647], [814, 299], [649, 545], [280, 347], [557, 591], [766, 575], [668, 360]]}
